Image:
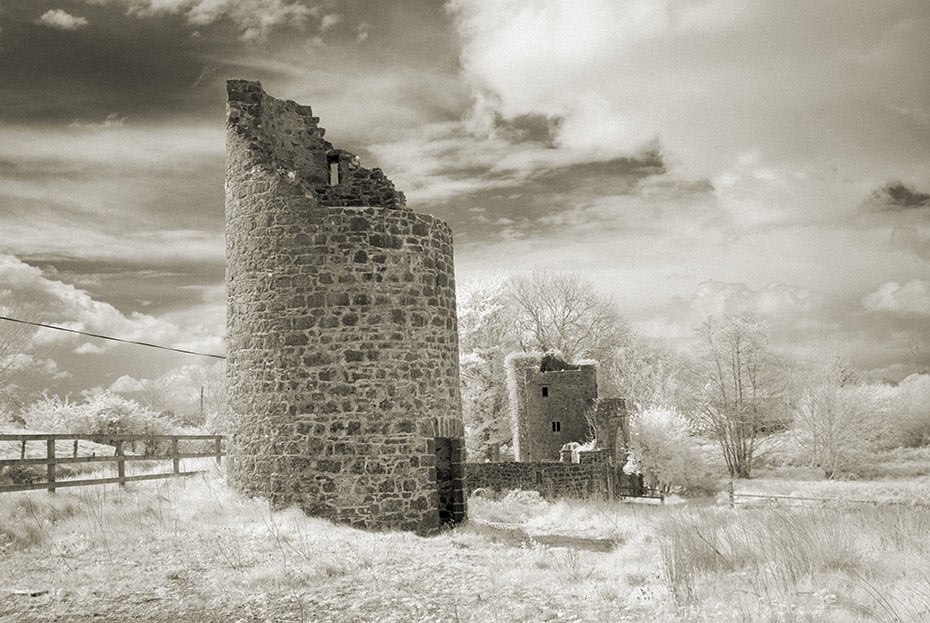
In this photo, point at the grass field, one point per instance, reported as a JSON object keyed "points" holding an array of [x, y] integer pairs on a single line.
{"points": [[192, 550]]}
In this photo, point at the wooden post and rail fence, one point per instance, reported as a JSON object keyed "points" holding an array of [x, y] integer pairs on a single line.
{"points": [[773, 497], [119, 443]]}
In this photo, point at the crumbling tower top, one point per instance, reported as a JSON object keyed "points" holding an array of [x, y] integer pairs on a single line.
{"points": [[290, 141]]}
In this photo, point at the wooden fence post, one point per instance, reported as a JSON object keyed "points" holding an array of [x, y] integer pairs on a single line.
{"points": [[730, 492], [22, 452], [75, 447], [174, 455], [50, 466], [219, 449], [120, 463]]}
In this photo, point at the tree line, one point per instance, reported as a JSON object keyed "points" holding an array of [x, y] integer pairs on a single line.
{"points": [[732, 390]]}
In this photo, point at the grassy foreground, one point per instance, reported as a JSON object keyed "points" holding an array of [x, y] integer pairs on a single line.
{"points": [[192, 550]]}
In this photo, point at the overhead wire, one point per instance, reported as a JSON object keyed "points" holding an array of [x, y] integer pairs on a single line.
{"points": [[111, 338]]}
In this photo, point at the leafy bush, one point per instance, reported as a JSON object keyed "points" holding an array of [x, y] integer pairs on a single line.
{"points": [[836, 426], [102, 414], [910, 412], [663, 451]]}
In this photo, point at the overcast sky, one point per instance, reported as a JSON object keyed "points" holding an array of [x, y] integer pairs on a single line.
{"points": [[689, 158]]}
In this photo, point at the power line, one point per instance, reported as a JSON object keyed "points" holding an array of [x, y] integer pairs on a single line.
{"points": [[112, 339]]}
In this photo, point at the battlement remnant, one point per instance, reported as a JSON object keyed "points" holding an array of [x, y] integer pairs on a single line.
{"points": [[342, 370]]}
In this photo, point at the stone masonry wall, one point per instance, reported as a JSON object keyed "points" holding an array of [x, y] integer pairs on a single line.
{"points": [[551, 479], [343, 350]]}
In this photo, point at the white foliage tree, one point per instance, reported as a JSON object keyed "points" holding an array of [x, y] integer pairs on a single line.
{"points": [[101, 413], [909, 412], [643, 372], [662, 450], [486, 336], [836, 422]]}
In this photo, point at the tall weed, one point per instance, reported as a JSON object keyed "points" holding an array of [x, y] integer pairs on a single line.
{"points": [[827, 558]]}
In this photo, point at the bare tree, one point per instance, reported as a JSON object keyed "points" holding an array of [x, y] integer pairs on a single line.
{"points": [[740, 389], [644, 372], [562, 312], [16, 358], [835, 419]]}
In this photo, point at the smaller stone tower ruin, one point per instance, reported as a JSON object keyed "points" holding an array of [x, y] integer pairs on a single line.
{"points": [[550, 401], [342, 372]]}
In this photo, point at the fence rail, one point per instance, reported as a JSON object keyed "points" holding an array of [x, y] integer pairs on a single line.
{"points": [[775, 497], [51, 460]]}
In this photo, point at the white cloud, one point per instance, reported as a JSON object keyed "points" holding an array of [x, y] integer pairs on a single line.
{"points": [[61, 304], [88, 349], [61, 20], [112, 120], [93, 190], [710, 80], [254, 18], [911, 298], [50, 367], [330, 20], [126, 384], [714, 298]]}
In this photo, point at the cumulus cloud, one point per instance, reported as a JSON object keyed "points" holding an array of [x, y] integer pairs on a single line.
{"points": [[330, 20], [911, 298], [88, 348], [61, 20], [254, 18], [714, 298], [50, 367], [710, 80], [126, 384], [55, 302]]}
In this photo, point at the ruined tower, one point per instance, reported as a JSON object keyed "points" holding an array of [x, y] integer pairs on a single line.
{"points": [[342, 371], [550, 404]]}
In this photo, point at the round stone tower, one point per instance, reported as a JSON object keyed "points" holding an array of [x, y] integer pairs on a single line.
{"points": [[342, 371]]}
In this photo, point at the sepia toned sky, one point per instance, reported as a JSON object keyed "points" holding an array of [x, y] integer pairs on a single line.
{"points": [[688, 158]]}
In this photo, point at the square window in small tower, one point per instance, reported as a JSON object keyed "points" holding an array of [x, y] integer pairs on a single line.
{"points": [[333, 172], [556, 426], [545, 392]]}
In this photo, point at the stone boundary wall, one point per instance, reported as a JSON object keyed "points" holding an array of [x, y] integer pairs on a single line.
{"points": [[592, 457], [551, 479]]}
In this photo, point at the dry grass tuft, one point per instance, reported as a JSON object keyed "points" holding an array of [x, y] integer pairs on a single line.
{"points": [[804, 563]]}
